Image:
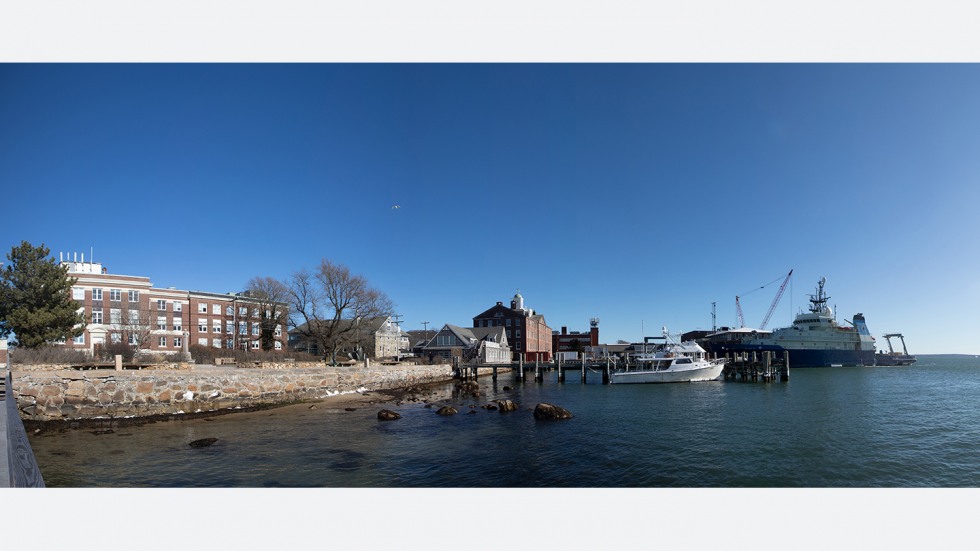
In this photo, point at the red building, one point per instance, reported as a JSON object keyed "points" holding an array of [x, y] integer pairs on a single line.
{"points": [[575, 341], [122, 308], [527, 332]]}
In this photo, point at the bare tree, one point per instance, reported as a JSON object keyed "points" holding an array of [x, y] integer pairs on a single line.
{"points": [[270, 296], [131, 323], [330, 304]]}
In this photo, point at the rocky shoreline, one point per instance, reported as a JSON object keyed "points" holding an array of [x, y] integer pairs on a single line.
{"points": [[346, 401], [94, 397]]}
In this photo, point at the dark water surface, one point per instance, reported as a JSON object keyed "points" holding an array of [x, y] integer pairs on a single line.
{"points": [[903, 427]]}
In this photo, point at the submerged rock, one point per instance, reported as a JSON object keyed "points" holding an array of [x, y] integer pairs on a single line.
{"points": [[388, 415], [203, 442], [549, 411], [506, 405], [490, 407], [447, 410]]}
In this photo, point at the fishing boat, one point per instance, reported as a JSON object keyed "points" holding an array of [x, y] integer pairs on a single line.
{"points": [[814, 340], [670, 362]]}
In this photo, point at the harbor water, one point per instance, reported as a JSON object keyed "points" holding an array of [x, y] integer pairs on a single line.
{"points": [[849, 427]]}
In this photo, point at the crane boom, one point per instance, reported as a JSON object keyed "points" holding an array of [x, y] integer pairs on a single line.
{"points": [[738, 309], [775, 301]]}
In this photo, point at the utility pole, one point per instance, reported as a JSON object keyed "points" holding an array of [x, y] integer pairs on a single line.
{"points": [[425, 324]]}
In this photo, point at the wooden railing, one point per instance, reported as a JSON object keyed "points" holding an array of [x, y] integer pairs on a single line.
{"points": [[20, 457]]}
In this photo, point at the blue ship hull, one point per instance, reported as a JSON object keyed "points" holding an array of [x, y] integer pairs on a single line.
{"points": [[803, 357]]}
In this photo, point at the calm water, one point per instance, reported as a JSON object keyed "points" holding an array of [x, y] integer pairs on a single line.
{"points": [[915, 426]]}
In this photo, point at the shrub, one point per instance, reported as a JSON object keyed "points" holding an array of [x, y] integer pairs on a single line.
{"points": [[48, 354]]}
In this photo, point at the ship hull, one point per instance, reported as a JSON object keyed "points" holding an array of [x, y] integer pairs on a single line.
{"points": [[801, 357], [898, 359]]}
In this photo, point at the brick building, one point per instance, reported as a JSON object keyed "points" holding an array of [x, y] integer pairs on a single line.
{"points": [[121, 308], [575, 341], [527, 332]]}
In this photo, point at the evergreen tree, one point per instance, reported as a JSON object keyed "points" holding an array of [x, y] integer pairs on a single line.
{"points": [[35, 298]]}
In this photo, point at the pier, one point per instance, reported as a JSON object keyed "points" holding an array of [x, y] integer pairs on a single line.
{"points": [[762, 366], [18, 468], [757, 366], [600, 369]]}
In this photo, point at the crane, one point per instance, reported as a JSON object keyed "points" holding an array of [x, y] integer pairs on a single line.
{"points": [[779, 294], [775, 301]]}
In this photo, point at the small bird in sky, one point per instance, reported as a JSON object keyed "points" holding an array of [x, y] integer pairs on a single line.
{"points": [[396, 207]]}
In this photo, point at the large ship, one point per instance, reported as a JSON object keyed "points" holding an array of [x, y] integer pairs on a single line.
{"points": [[814, 340]]}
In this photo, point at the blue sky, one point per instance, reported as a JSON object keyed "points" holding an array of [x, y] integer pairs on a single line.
{"points": [[635, 193]]}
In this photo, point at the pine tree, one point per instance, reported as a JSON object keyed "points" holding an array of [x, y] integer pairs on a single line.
{"points": [[35, 298]]}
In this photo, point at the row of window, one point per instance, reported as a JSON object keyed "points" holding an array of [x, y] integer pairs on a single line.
{"points": [[230, 343], [115, 295], [117, 338], [498, 323], [202, 326]]}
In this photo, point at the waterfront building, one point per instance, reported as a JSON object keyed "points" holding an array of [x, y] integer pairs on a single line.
{"points": [[486, 345], [129, 309], [526, 330], [576, 341], [376, 338]]}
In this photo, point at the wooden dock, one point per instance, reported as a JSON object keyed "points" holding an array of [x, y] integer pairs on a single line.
{"points": [[760, 366], [18, 468], [757, 366]]}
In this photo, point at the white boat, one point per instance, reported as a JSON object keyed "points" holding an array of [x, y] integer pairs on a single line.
{"points": [[671, 363]]}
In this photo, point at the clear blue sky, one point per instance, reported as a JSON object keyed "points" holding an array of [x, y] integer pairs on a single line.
{"points": [[635, 193]]}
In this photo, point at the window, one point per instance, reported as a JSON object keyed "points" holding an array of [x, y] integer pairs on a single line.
{"points": [[216, 326], [96, 294], [508, 322], [216, 343], [178, 342], [243, 311], [162, 343], [278, 330], [115, 338], [202, 308], [161, 305], [278, 345], [97, 316], [115, 316], [134, 296], [162, 324], [445, 340], [229, 311], [178, 324], [134, 317], [202, 326], [132, 339], [255, 329], [230, 328], [202, 342], [255, 345], [242, 330], [115, 294], [178, 306], [78, 293], [216, 309], [230, 344], [79, 339]]}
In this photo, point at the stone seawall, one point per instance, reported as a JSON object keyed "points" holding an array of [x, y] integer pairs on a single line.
{"points": [[70, 394]]}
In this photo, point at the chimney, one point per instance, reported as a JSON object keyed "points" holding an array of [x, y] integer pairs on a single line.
{"points": [[564, 330]]}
